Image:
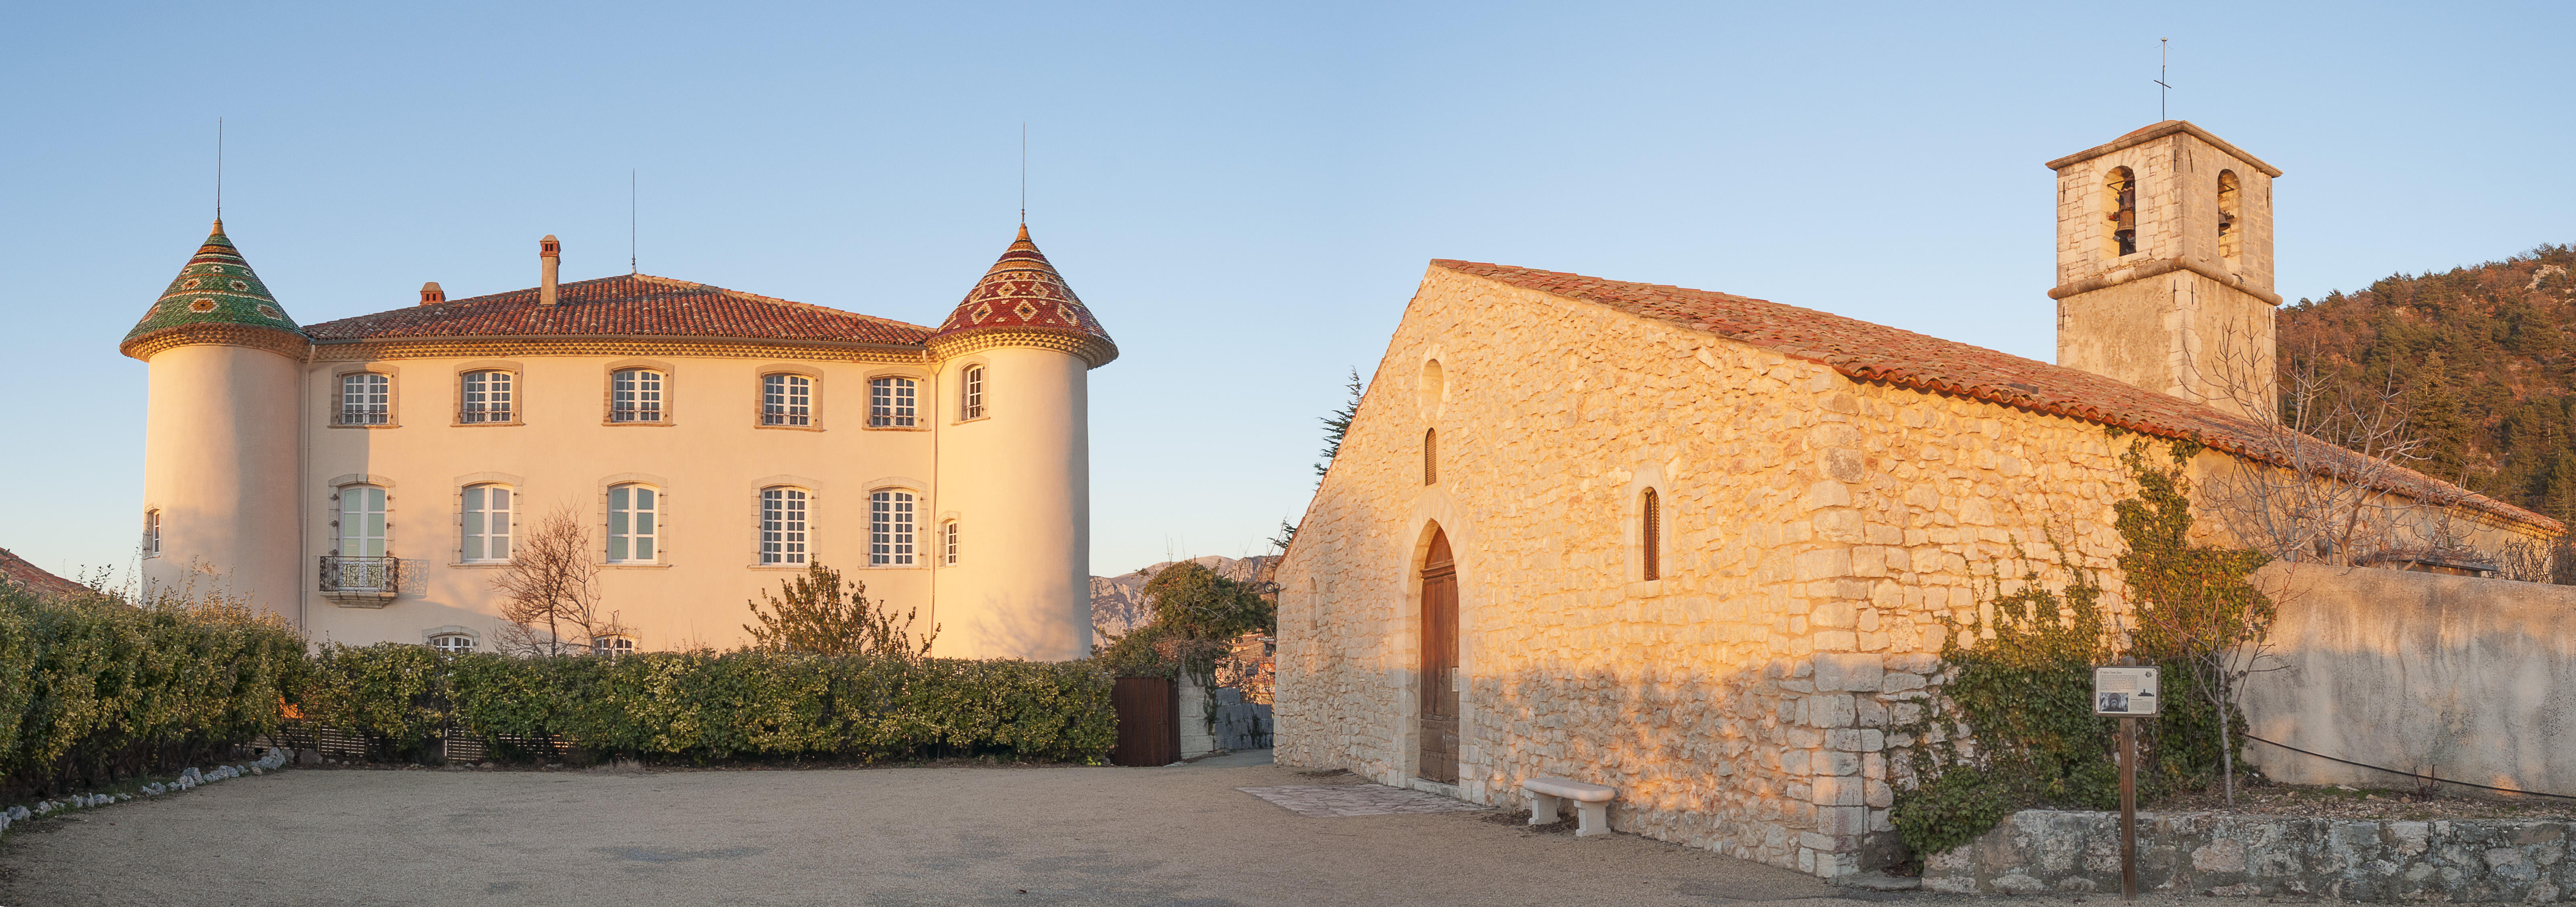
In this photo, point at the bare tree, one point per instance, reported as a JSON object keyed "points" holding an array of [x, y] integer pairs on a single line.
{"points": [[821, 614], [2325, 476], [552, 591]]}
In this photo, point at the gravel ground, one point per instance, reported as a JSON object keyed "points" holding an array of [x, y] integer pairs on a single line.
{"points": [[1003, 835]]}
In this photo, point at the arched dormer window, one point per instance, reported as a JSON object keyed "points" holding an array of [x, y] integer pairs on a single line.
{"points": [[2120, 209], [1650, 535], [783, 527], [970, 393], [2231, 239], [1431, 456]]}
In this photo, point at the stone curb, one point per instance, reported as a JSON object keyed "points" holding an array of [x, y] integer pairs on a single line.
{"points": [[2232, 855], [188, 778]]}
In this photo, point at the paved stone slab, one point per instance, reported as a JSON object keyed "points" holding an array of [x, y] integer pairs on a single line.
{"points": [[1325, 801]]}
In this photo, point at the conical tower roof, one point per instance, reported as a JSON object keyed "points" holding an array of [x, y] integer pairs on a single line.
{"points": [[1022, 300], [215, 299]]}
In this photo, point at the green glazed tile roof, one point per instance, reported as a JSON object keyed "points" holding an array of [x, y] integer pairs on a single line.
{"points": [[217, 287]]}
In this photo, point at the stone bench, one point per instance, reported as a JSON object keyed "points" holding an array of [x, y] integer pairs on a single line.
{"points": [[1592, 803]]}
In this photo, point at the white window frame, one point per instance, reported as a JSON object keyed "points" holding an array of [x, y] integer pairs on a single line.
{"points": [[380, 533], [892, 539], [970, 392], [948, 543], [636, 525], [475, 529], [787, 400], [373, 404], [612, 645], [639, 396], [786, 526], [152, 532], [894, 401], [444, 642], [487, 397]]}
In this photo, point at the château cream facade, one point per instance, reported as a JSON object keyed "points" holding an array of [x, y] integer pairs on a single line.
{"points": [[1704, 548], [370, 477]]}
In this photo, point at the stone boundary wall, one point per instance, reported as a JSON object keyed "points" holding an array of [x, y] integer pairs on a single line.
{"points": [[2042, 851], [2452, 676]]}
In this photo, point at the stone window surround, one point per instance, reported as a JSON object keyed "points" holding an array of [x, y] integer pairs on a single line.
{"points": [[760, 394], [985, 410], [1632, 537], [456, 500], [2138, 209], [518, 392], [946, 523], [868, 535], [661, 521], [608, 392], [331, 509], [429, 636], [813, 490], [1432, 511], [925, 392], [393, 393]]}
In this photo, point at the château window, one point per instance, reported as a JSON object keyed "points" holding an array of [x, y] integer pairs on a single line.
{"points": [[612, 646], [890, 529], [2120, 208], [782, 526], [2231, 239], [366, 398], [452, 643], [487, 524], [890, 403], [948, 543], [362, 521], [787, 400], [970, 403], [1430, 456], [635, 395], [485, 397], [1650, 531], [632, 527], [152, 533]]}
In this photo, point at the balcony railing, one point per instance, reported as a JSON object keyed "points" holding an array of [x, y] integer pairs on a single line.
{"points": [[361, 576]]}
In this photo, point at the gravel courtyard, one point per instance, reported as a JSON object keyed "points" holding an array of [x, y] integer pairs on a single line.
{"points": [[1123, 836]]}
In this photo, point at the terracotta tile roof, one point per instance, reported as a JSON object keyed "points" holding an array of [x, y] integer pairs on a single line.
{"points": [[15, 569], [1022, 290], [625, 305], [1876, 352]]}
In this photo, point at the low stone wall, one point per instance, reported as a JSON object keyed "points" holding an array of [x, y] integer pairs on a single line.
{"points": [[1239, 725], [2038, 851]]}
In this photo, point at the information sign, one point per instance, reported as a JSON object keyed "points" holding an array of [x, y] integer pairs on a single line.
{"points": [[2125, 692]]}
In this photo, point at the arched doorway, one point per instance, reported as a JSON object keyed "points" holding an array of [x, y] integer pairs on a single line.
{"points": [[1439, 662]]}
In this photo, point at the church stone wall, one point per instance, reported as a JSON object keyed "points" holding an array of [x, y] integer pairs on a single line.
{"points": [[1816, 532]]}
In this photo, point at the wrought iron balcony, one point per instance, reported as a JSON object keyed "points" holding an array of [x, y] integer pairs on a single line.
{"points": [[361, 580]]}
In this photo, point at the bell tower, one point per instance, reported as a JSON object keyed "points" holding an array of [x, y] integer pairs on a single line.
{"points": [[2164, 266]]}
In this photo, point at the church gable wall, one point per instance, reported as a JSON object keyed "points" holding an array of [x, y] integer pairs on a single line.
{"points": [[1816, 530]]}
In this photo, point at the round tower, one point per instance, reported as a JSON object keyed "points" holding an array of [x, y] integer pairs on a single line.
{"points": [[1011, 542], [219, 432]]}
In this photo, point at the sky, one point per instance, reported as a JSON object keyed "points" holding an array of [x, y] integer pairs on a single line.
{"points": [[1245, 194]]}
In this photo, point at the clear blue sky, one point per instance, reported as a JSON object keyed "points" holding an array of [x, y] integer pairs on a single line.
{"points": [[1245, 195]]}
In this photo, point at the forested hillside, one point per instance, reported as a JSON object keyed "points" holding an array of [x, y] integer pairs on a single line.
{"points": [[2482, 359]]}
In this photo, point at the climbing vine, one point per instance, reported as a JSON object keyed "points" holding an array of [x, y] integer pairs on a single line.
{"points": [[2012, 725]]}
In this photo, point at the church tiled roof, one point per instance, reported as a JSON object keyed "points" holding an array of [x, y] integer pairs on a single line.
{"points": [[1876, 352], [626, 305], [215, 288], [1023, 292], [15, 570]]}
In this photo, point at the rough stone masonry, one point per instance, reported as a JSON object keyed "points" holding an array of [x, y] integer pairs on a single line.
{"points": [[2038, 851]]}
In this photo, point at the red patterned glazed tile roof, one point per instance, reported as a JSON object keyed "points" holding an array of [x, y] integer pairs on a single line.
{"points": [[1022, 290], [625, 305], [1876, 352]]}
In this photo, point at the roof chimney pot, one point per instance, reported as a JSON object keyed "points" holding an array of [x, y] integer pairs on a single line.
{"points": [[550, 256], [430, 294]]}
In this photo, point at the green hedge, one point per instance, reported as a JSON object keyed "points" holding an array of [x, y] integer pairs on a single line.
{"points": [[94, 689], [707, 706]]}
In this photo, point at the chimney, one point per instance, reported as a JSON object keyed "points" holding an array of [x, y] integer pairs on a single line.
{"points": [[430, 294], [550, 253]]}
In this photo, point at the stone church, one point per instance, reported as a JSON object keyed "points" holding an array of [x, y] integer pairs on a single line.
{"points": [[1699, 547], [371, 477]]}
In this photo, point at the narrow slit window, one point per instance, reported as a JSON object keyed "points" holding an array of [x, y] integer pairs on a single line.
{"points": [[787, 400], [152, 533], [782, 526], [2231, 239], [366, 398], [890, 402], [1650, 531], [632, 525], [1431, 456], [948, 543], [970, 403], [2120, 208], [890, 529], [486, 398], [635, 395]]}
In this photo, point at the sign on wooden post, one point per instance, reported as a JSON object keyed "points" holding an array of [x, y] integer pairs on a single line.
{"points": [[2128, 693], [2125, 692]]}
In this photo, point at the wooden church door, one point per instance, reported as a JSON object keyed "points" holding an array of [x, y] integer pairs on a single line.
{"points": [[1440, 681]]}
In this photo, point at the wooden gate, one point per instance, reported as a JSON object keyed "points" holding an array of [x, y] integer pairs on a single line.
{"points": [[1439, 663], [1149, 729]]}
